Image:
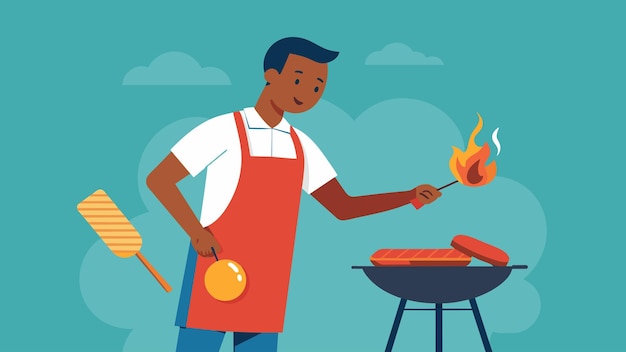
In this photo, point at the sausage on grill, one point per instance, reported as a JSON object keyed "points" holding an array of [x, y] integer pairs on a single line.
{"points": [[420, 257]]}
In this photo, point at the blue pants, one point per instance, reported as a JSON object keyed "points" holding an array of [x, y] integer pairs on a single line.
{"points": [[192, 340]]}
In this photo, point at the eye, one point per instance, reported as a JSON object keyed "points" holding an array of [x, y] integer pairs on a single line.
{"points": [[297, 81], [316, 89]]}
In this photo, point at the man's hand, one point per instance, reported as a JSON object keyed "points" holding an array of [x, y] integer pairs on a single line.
{"points": [[427, 193], [203, 241]]}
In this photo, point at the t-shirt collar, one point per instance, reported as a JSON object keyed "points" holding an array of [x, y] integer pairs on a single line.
{"points": [[254, 121]]}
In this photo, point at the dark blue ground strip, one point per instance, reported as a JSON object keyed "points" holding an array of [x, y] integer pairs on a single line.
{"points": [[185, 292]]}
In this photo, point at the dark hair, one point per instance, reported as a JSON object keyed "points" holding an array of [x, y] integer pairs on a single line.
{"points": [[277, 53]]}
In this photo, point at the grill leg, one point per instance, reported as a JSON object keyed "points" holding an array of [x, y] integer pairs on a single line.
{"points": [[439, 327], [396, 324], [481, 326]]}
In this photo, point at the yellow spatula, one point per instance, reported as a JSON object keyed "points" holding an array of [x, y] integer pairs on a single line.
{"points": [[115, 230]]}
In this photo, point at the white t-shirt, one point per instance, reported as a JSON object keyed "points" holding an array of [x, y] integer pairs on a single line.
{"points": [[214, 146]]}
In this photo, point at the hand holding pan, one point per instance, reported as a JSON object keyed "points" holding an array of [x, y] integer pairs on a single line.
{"points": [[225, 279], [115, 230]]}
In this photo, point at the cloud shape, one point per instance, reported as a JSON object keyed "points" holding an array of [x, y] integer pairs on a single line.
{"points": [[400, 54], [175, 68], [382, 150]]}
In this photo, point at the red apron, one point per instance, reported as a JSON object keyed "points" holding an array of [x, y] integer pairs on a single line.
{"points": [[257, 230]]}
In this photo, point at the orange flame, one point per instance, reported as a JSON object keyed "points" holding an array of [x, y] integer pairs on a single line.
{"points": [[469, 167]]}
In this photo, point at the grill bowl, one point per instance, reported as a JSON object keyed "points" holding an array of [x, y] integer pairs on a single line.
{"points": [[438, 284]]}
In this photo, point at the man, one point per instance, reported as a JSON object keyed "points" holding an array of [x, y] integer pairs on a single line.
{"points": [[257, 165]]}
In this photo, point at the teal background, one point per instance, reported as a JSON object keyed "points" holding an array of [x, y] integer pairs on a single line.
{"points": [[551, 76]]}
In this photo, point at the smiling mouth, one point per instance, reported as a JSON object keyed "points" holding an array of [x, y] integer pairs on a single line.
{"points": [[297, 101]]}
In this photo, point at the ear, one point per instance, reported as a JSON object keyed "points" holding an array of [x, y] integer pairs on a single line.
{"points": [[271, 75]]}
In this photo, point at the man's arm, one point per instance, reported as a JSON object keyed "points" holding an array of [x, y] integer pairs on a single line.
{"points": [[162, 182], [343, 206]]}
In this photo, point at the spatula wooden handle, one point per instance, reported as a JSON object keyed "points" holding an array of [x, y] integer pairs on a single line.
{"points": [[154, 273]]}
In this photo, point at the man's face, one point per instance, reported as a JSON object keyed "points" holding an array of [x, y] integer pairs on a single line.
{"points": [[300, 84]]}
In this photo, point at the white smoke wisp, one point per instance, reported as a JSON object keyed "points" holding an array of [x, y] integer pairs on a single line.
{"points": [[494, 138]]}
